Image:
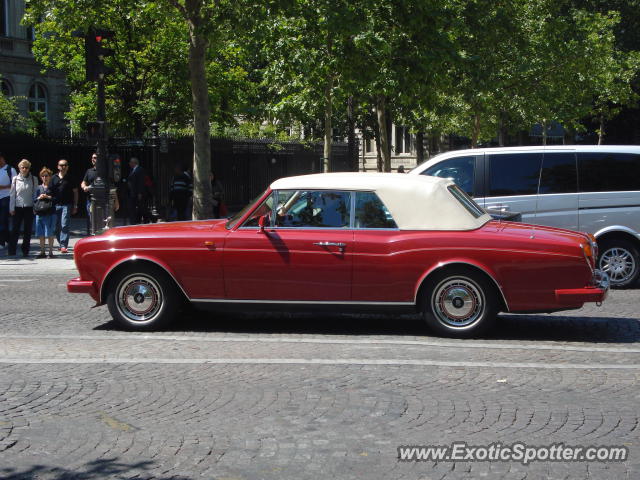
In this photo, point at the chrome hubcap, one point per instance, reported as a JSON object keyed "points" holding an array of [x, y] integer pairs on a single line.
{"points": [[139, 298], [458, 302], [619, 264]]}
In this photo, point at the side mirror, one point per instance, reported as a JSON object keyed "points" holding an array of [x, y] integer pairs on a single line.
{"points": [[263, 221]]}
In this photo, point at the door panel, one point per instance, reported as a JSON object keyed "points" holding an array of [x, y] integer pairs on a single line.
{"points": [[283, 264]]}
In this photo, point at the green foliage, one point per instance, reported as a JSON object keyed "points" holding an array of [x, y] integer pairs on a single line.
{"points": [[468, 67]]}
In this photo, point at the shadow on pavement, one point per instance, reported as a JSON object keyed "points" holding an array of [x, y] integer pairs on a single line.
{"points": [[97, 469], [508, 327]]}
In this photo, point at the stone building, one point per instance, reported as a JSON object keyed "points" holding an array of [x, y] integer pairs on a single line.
{"points": [[21, 75]]}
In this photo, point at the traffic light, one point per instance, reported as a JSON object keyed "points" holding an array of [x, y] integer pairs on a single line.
{"points": [[116, 168], [95, 53]]}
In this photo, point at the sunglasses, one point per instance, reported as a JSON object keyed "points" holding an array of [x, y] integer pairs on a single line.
{"points": [[45, 175]]}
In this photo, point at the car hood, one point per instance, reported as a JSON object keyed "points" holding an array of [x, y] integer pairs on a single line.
{"points": [[162, 229]]}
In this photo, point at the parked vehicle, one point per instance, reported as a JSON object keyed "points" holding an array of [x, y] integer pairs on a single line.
{"points": [[344, 240], [594, 189]]}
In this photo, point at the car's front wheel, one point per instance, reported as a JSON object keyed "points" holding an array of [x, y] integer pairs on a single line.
{"points": [[142, 298], [620, 260], [460, 303]]}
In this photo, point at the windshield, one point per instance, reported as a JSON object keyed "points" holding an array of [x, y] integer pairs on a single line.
{"points": [[234, 220]]}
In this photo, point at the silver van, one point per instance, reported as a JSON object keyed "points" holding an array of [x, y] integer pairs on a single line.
{"points": [[594, 189]]}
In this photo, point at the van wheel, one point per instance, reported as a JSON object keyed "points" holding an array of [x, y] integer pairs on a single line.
{"points": [[142, 298], [620, 260], [460, 303]]}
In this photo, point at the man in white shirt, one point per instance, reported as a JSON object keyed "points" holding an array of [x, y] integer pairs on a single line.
{"points": [[7, 173]]}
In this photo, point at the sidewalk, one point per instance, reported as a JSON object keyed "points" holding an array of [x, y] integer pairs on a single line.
{"points": [[60, 261]]}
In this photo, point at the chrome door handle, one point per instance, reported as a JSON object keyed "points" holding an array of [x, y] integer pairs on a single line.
{"points": [[340, 245], [502, 208]]}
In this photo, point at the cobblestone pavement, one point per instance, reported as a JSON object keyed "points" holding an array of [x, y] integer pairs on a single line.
{"points": [[296, 396]]}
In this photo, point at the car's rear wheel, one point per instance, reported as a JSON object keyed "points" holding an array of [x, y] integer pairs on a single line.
{"points": [[460, 303], [142, 298], [620, 260]]}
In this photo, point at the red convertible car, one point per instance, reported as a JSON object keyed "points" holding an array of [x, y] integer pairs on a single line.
{"points": [[344, 240]]}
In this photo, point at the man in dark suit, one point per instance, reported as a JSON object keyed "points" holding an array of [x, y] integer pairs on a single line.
{"points": [[138, 195]]}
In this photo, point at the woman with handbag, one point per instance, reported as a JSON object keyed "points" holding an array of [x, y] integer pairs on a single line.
{"points": [[45, 211], [23, 187]]}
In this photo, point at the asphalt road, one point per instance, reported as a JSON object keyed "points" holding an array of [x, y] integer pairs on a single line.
{"points": [[295, 396]]}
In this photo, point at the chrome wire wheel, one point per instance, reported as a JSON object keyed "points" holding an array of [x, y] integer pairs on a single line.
{"points": [[139, 298], [619, 264], [458, 302]]}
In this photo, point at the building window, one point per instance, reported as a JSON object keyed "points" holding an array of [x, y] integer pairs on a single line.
{"points": [[402, 140], [368, 145], [4, 18], [38, 98], [7, 90]]}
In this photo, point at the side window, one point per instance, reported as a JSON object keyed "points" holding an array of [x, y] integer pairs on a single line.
{"points": [[371, 212], [514, 174], [559, 173], [461, 170], [608, 172], [313, 209]]}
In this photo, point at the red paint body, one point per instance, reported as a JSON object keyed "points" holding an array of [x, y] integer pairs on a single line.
{"points": [[210, 262]]}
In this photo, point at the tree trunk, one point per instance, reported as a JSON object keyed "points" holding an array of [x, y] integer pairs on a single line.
{"points": [[351, 136], [384, 133], [476, 131], [376, 135], [328, 128], [419, 147], [544, 132], [198, 44], [601, 130]]}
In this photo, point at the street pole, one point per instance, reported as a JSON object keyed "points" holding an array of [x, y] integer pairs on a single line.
{"points": [[100, 189], [155, 145]]}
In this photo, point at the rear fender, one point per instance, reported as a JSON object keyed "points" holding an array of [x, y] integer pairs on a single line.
{"points": [[462, 262]]}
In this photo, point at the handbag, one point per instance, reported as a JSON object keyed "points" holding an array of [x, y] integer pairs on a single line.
{"points": [[43, 206]]}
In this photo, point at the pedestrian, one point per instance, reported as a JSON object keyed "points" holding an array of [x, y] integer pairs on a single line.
{"points": [[138, 196], [45, 210], [23, 189], [217, 193], [6, 175], [179, 192], [87, 182], [401, 169], [66, 199]]}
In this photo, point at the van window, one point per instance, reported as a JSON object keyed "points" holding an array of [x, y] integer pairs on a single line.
{"points": [[559, 173], [514, 174], [460, 170], [608, 172]]}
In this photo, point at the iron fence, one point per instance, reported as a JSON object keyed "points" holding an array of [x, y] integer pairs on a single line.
{"points": [[245, 167]]}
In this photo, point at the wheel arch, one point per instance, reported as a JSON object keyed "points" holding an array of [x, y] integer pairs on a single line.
{"points": [[135, 259], [618, 232], [444, 266]]}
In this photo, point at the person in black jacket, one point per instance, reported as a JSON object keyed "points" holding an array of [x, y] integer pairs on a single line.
{"points": [[180, 191], [138, 192]]}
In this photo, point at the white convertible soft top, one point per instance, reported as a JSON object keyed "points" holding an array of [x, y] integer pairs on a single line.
{"points": [[416, 202]]}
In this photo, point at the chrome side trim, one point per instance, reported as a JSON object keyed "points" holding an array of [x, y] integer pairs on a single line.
{"points": [[298, 302], [133, 259], [440, 265]]}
